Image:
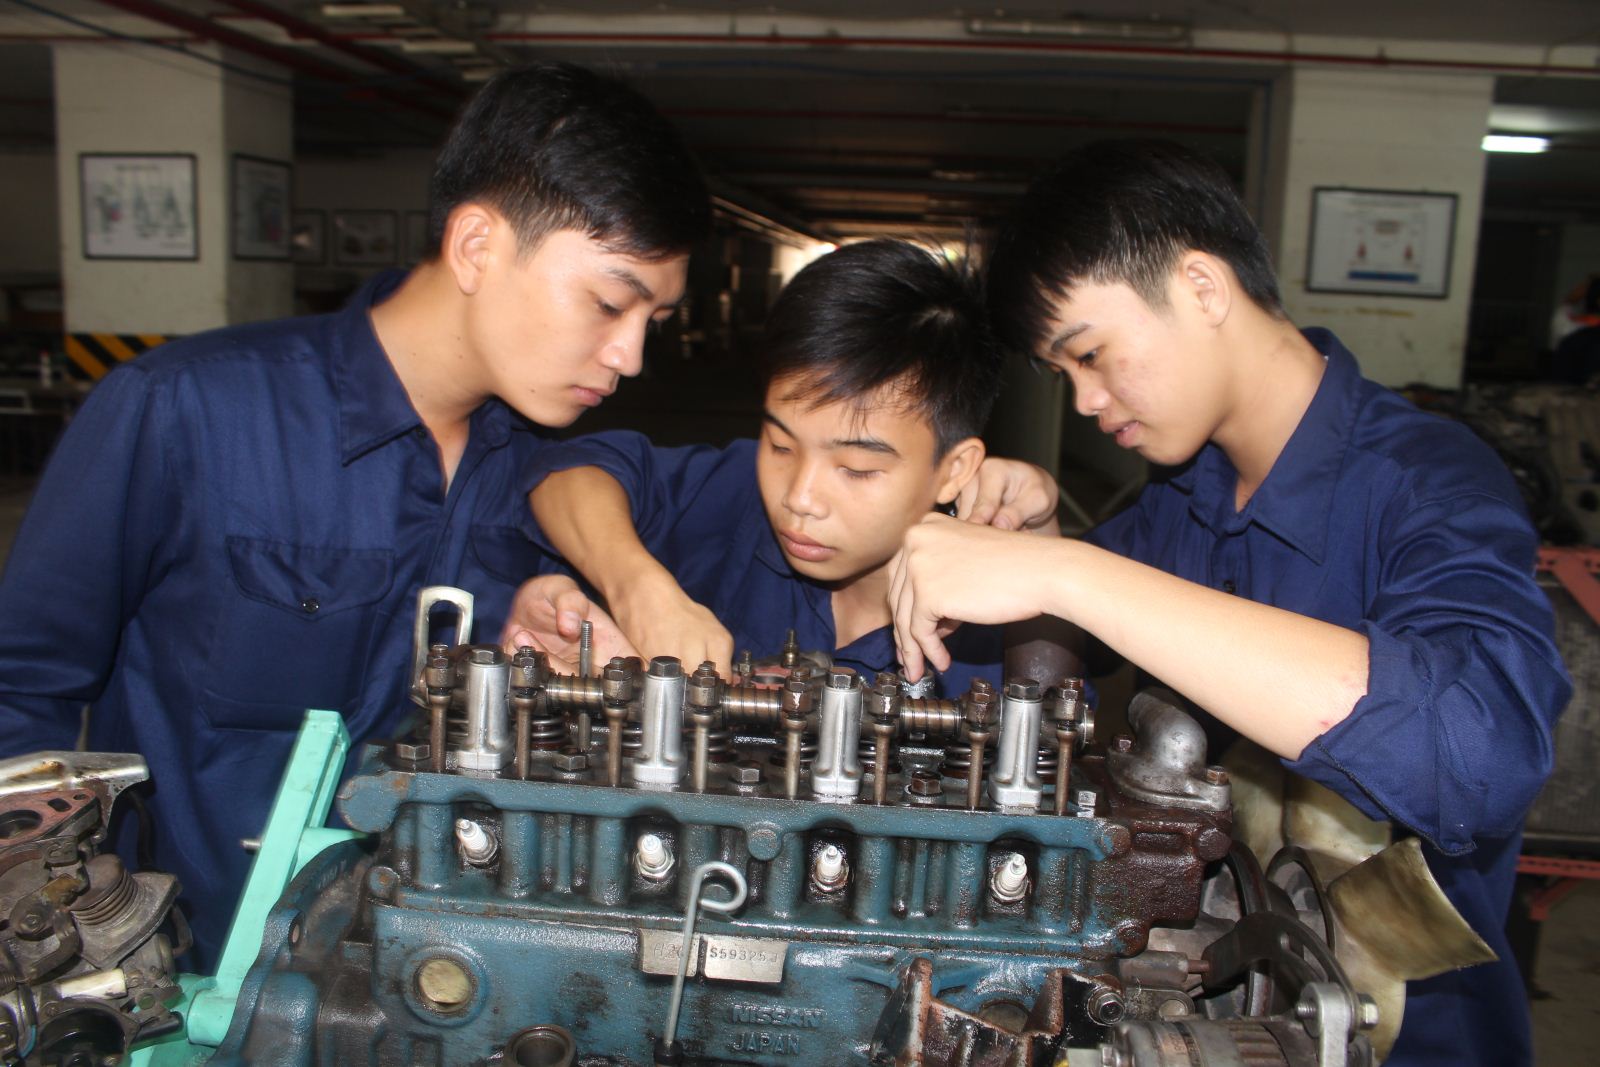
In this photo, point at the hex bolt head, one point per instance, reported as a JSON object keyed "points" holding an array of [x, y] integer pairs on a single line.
{"points": [[1105, 1006], [925, 784], [487, 656], [666, 667], [439, 673], [1122, 743], [1023, 689], [616, 682], [1367, 1015], [1216, 776], [745, 772], [569, 760], [413, 751], [843, 678], [979, 709]]}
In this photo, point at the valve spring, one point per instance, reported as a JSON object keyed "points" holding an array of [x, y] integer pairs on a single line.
{"points": [[1046, 764], [547, 734], [958, 759], [117, 900], [867, 752], [632, 738], [808, 752], [719, 742]]}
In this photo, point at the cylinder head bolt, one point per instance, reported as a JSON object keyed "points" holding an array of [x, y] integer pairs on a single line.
{"points": [[488, 743], [1014, 782], [660, 762], [836, 772]]}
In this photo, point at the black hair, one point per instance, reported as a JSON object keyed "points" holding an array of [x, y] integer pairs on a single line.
{"points": [[554, 146], [1120, 211], [888, 312]]}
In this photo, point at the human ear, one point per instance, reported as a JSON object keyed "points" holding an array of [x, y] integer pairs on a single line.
{"points": [[958, 467], [465, 247], [1205, 284]]}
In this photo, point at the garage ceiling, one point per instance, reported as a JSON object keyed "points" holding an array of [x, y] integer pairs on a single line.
{"points": [[837, 129]]}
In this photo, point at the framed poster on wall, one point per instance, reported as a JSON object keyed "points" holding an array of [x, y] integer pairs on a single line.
{"points": [[138, 206], [260, 208], [365, 238], [1388, 242], [308, 237]]}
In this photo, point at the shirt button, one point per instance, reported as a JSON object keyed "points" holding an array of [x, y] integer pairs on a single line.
{"points": [[1228, 587], [310, 605]]}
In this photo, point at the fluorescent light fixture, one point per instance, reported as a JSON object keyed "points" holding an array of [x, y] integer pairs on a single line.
{"points": [[439, 46], [1505, 142], [363, 11], [1153, 31]]}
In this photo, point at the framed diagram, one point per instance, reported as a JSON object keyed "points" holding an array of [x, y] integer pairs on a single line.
{"points": [[138, 206], [260, 193], [365, 238], [1387, 242], [308, 237]]}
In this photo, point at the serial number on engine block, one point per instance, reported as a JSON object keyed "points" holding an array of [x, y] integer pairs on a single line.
{"points": [[732, 959]]}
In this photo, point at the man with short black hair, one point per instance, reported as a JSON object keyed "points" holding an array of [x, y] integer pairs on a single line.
{"points": [[1332, 573], [236, 526], [880, 374]]}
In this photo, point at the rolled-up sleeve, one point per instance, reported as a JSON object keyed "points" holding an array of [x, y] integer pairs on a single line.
{"points": [[1453, 738], [86, 551]]}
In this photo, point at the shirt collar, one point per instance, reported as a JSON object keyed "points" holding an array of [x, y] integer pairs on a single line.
{"points": [[1295, 501], [374, 407]]}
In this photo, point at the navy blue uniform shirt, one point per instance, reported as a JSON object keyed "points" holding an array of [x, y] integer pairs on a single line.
{"points": [[698, 510], [234, 529], [1407, 528]]}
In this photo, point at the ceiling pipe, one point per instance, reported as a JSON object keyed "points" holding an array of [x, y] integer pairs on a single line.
{"points": [[205, 29], [992, 45], [377, 57]]}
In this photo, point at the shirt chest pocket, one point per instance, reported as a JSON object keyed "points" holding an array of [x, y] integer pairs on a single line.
{"points": [[296, 632]]}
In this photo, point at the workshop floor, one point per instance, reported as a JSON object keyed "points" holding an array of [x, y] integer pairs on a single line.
{"points": [[1566, 1014]]}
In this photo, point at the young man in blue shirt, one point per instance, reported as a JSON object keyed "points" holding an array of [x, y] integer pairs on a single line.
{"points": [[1333, 574], [235, 527], [880, 375]]}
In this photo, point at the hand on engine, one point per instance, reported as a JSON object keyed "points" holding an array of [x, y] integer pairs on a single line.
{"points": [[662, 620], [548, 613], [1009, 494], [951, 570]]}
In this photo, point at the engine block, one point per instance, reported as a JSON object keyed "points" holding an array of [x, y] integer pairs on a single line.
{"points": [[907, 891]]}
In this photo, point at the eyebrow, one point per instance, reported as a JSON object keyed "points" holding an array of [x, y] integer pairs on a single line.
{"points": [[866, 444], [1061, 339], [632, 281]]}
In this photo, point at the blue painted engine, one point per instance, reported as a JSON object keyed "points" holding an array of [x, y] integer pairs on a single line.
{"points": [[886, 878]]}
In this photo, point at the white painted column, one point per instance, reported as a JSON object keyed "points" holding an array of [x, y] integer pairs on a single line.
{"points": [[1370, 129], [138, 100]]}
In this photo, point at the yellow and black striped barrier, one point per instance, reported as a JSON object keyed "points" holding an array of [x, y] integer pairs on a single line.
{"points": [[92, 355]]}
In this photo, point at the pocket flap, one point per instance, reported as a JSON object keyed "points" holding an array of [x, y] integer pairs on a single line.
{"points": [[310, 582]]}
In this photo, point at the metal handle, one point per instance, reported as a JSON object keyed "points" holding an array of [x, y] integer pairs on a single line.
{"points": [[691, 913], [431, 597]]}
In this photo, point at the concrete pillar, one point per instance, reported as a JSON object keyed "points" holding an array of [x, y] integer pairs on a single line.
{"points": [[1373, 129], [136, 100]]}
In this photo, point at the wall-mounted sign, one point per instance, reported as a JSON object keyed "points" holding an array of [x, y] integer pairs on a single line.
{"points": [[1376, 241], [260, 208], [138, 206]]}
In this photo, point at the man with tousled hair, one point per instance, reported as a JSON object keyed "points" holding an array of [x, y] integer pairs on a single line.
{"points": [[235, 526], [1328, 571], [880, 374]]}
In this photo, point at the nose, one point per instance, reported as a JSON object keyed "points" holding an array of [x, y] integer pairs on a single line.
{"points": [[801, 497], [1089, 397], [624, 350]]}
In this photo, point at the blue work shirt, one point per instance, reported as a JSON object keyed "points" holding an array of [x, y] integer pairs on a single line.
{"points": [[1405, 527], [698, 511], [233, 529]]}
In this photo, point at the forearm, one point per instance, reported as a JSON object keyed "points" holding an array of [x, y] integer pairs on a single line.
{"points": [[1279, 678], [585, 514]]}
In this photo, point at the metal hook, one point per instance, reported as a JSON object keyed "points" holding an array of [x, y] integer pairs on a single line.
{"points": [[665, 1050]]}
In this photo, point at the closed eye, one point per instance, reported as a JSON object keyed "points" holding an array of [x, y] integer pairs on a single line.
{"points": [[850, 472]]}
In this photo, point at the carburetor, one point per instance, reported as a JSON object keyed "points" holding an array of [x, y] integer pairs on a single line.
{"points": [[86, 946], [651, 865]]}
